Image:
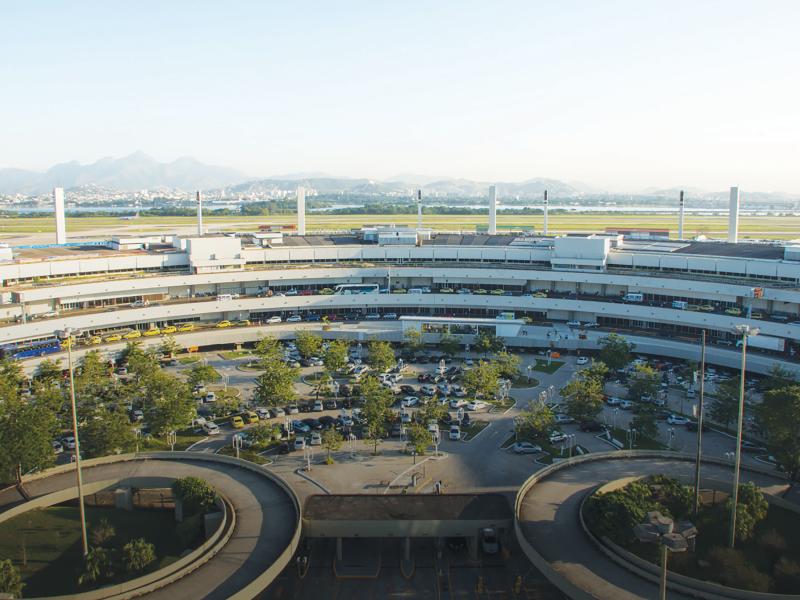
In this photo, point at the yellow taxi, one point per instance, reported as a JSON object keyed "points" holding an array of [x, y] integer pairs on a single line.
{"points": [[114, 337], [250, 417], [243, 323], [223, 324], [95, 339], [169, 329], [237, 422], [152, 331], [132, 335], [186, 327]]}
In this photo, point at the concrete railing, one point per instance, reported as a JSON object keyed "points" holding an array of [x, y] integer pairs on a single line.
{"points": [[556, 578], [682, 583], [257, 585]]}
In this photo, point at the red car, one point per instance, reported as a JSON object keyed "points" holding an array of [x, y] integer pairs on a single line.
{"points": [[306, 292]]}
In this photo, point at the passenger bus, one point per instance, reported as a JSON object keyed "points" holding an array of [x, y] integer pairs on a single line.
{"points": [[19, 350], [356, 288]]}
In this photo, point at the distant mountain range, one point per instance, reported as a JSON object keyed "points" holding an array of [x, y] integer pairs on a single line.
{"points": [[137, 171]]}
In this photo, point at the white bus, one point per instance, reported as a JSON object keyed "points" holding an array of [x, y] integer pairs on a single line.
{"points": [[348, 289]]}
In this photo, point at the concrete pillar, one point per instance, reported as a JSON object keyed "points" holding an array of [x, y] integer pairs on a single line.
{"points": [[199, 213], [492, 210], [61, 221], [680, 218], [301, 210], [339, 549], [733, 216], [418, 199], [407, 549], [123, 498], [472, 546], [546, 206]]}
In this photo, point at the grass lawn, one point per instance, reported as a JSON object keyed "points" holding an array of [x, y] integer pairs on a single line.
{"points": [[249, 455], [501, 405], [475, 427], [523, 382], [233, 354], [641, 443], [188, 360], [541, 365], [49, 541], [250, 366]]}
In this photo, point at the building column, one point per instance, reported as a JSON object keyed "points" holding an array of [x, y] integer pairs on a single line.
{"points": [[339, 549], [407, 549]]}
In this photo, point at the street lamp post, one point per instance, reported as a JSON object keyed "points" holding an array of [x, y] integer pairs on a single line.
{"points": [[66, 335], [700, 425], [172, 438], [671, 537], [746, 331], [236, 441]]}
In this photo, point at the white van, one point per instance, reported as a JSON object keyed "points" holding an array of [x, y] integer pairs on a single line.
{"points": [[415, 291], [224, 297], [633, 297], [680, 304]]}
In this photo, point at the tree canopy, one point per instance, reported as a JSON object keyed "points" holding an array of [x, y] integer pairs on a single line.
{"points": [[615, 352]]}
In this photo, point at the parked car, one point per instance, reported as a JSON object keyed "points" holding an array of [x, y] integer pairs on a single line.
{"points": [[277, 412], [409, 401], [237, 422], [299, 443], [455, 433], [210, 428], [299, 427], [526, 448], [476, 405], [582, 360], [677, 420], [557, 436], [273, 320], [613, 401], [318, 407], [490, 544], [626, 405], [316, 438], [293, 319], [562, 419]]}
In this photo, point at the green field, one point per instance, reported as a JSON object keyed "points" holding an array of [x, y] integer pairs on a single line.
{"points": [[775, 227]]}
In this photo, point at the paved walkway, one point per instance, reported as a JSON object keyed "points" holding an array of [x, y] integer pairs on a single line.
{"points": [[549, 512], [264, 528]]}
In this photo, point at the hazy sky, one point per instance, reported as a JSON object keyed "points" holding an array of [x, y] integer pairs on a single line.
{"points": [[622, 95]]}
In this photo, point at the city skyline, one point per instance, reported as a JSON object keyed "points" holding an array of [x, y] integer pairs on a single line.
{"points": [[620, 98]]}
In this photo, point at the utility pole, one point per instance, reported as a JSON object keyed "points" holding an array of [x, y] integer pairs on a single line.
{"points": [[700, 424]]}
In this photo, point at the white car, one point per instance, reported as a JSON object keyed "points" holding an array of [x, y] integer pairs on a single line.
{"points": [[300, 443], [273, 320], [68, 442], [210, 397], [614, 401], [557, 436], [459, 392], [428, 390], [626, 405], [582, 360], [573, 323], [405, 418], [138, 415], [562, 419], [346, 420], [526, 448], [677, 420], [455, 433], [316, 438], [456, 403], [390, 316], [262, 413], [293, 319], [58, 447], [489, 542], [476, 405], [409, 401], [211, 428]]}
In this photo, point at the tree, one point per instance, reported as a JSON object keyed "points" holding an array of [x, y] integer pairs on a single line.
{"points": [[276, 384], [381, 356], [201, 374], [169, 347], [536, 421], [412, 340], [331, 441], [11, 371], [486, 343], [598, 371], [48, 371], [481, 380], [335, 356], [27, 428], [644, 421], [377, 400], [419, 438], [644, 382], [268, 348], [107, 433], [432, 411], [10, 579], [449, 345], [196, 495], [615, 352], [102, 533], [778, 378], [308, 344], [751, 509], [725, 405], [779, 418], [170, 406], [140, 362], [137, 554], [262, 434], [97, 566], [584, 398], [507, 365]]}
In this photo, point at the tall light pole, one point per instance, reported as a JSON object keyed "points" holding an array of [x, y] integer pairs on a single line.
{"points": [[66, 336], [746, 331], [700, 425]]}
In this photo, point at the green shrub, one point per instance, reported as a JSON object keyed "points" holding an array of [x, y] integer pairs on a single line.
{"points": [[732, 568], [616, 513], [752, 508], [196, 494], [678, 499], [137, 554], [10, 579], [787, 576], [190, 529]]}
